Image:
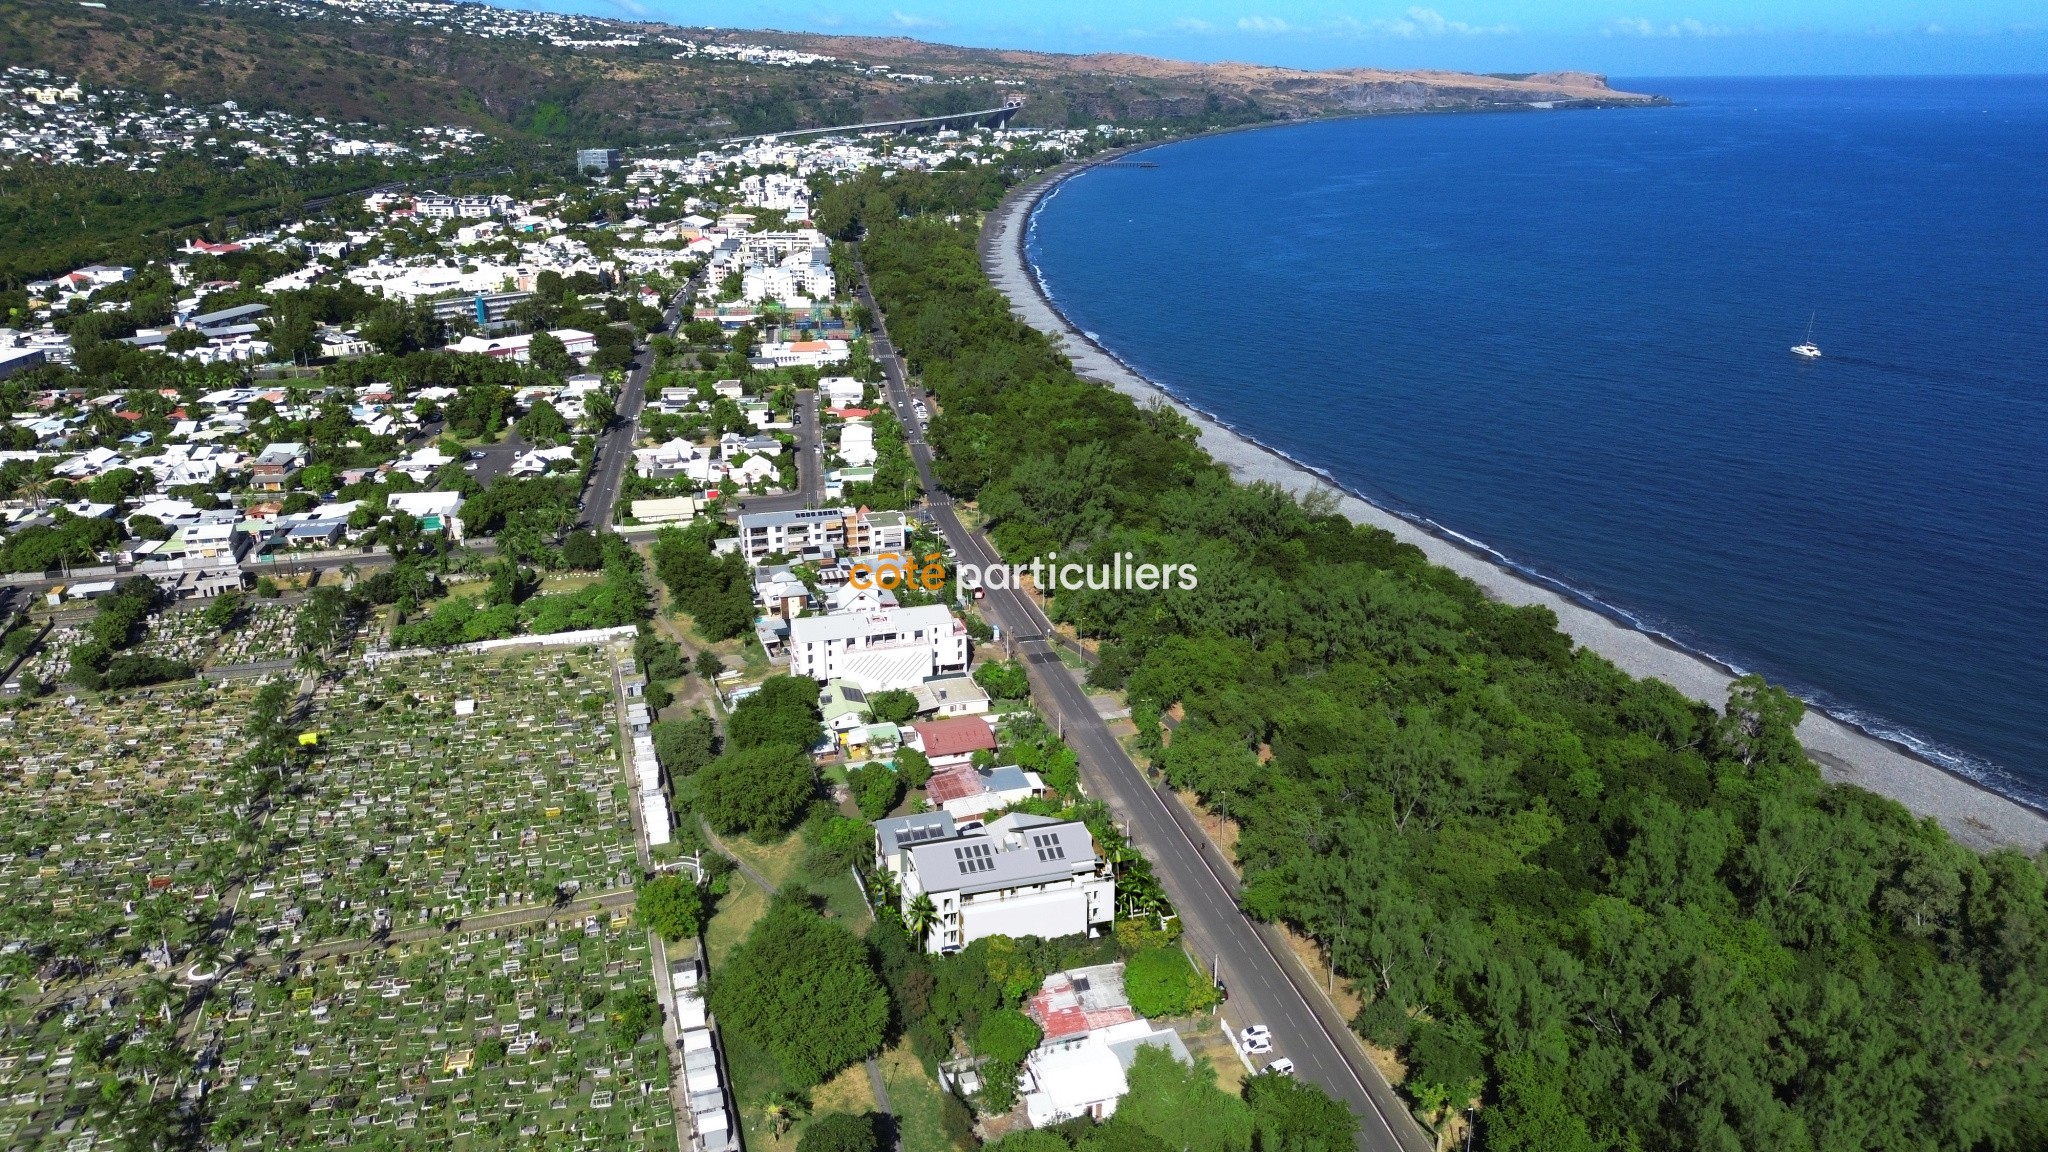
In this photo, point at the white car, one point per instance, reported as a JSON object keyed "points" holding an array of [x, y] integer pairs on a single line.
{"points": [[1258, 1039], [1281, 1067]]}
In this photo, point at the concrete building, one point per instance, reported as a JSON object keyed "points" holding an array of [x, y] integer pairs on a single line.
{"points": [[1021, 875], [894, 648], [799, 532]]}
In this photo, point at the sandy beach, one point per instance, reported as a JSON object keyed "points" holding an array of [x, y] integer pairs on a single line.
{"points": [[1974, 815]]}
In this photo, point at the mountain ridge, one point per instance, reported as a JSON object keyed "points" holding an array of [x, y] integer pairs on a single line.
{"points": [[623, 82]]}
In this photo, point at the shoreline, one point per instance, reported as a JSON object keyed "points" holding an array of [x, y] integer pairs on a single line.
{"points": [[1846, 754]]}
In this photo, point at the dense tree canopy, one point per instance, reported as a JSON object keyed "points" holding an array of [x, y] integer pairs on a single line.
{"points": [[717, 592], [784, 711], [760, 791], [801, 988]]}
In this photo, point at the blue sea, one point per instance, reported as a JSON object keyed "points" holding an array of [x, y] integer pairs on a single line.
{"points": [[1565, 335]]}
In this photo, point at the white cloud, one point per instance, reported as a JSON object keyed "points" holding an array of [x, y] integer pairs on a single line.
{"points": [[1641, 27], [1423, 22], [1934, 30], [1197, 27], [1264, 25], [1430, 23], [902, 20]]}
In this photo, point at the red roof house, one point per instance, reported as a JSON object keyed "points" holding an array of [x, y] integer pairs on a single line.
{"points": [[954, 741]]}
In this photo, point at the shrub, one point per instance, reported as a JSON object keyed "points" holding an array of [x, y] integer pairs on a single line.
{"points": [[1161, 982], [840, 1132], [875, 789]]}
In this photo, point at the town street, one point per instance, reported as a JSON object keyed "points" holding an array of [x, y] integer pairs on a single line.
{"points": [[810, 464], [615, 443]]}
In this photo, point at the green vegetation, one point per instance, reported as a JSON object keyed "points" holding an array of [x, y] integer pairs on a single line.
{"points": [[1617, 917], [892, 706], [784, 711], [760, 791], [801, 988], [1161, 982], [510, 605], [685, 745], [840, 1132], [670, 905], [715, 591], [102, 662], [1003, 681], [876, 788]]}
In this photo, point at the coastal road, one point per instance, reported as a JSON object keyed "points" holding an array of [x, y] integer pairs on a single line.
{"points": [[1266, 983]]}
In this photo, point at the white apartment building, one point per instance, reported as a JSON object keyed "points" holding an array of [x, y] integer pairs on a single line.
{"points": [[788, 283], [776, 191], [892, 648], [1022, 875], [797, 532]]}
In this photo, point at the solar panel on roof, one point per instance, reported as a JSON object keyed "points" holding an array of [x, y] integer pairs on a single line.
{"points": [[1049, 847], [974, 858]]}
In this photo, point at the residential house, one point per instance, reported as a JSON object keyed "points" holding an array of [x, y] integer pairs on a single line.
{"points": [[274, 467], [842, 391], [968, 794], [1091, 1037], [843, 707], [779, 592], [953, 741], [857, 444], [437, 511], [953, 696]]}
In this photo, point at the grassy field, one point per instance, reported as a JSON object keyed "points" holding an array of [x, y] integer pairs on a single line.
{"points": [[743, 904], [847, 1092], [916, 1101], [775, 861]]}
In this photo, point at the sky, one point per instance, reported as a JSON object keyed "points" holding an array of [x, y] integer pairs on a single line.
{"points": [[1616, 37]]}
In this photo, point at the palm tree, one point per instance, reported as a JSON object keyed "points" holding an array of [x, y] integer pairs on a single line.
{"points": [[35, 489], [349, 572], [921, 917], [785, 1109]]}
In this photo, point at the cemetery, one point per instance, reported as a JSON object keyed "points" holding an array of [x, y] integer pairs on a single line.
{"points": [[427, 792], [260, 634], [445, 786], [540, 1036], [113, 800]]}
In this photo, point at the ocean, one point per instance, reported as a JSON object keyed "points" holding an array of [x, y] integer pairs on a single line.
{"points": [[1563, 336]]}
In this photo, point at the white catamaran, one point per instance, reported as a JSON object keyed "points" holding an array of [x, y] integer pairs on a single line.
{"points": [[1808, 350]]}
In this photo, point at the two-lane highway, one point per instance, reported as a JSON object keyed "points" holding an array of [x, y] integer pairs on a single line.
{"points": [[1265, 984]]}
